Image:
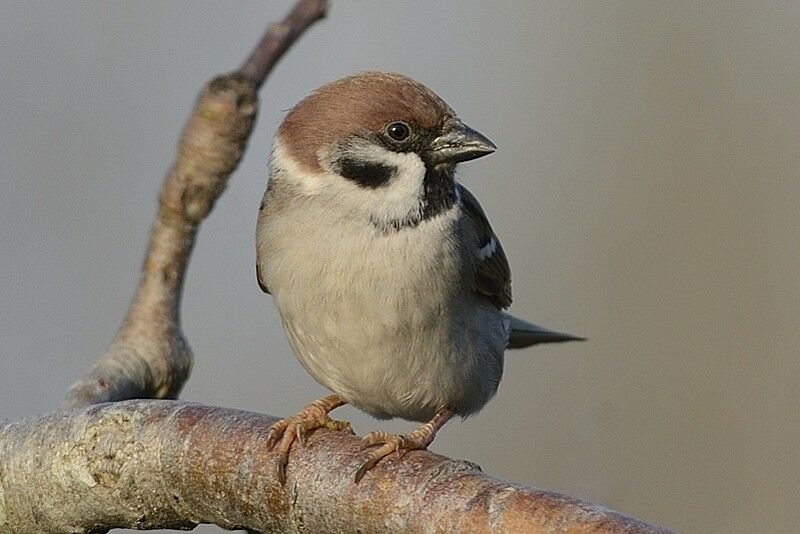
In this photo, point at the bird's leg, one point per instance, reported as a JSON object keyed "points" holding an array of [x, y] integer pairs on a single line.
{"points": [[419, 438], [315, 415]]}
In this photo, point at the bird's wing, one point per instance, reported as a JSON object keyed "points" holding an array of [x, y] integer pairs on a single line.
{"points": [[492, 276], [493, 279], [262, 281]]}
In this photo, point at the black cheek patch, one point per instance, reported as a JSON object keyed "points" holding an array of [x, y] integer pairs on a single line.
{"points": [[369, 174]]}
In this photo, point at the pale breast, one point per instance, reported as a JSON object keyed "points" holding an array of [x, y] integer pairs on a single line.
{"points": [[382, 319]]}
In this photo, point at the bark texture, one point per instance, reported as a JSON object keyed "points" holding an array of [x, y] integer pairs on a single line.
{"points": [[97, 464], [168, 464]]}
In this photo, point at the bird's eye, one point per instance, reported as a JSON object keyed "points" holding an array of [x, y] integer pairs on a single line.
{"points": [[399, 131]]}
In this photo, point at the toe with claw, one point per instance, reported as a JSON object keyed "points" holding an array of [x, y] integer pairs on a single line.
{"points": [[401, 443], [297, 428]]}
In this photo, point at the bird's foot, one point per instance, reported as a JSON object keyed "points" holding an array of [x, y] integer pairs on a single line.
{"points": [[417, 439], [297, 427]]}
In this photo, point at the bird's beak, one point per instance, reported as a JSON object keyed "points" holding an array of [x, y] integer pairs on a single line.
{"points": [[460, 143]]}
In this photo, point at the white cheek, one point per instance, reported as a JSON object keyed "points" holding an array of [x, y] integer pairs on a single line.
{"points": [[402, 196], [400, 199], [308, 183]]}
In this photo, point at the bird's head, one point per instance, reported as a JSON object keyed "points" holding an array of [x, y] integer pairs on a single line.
{"points": [[376, 144]]}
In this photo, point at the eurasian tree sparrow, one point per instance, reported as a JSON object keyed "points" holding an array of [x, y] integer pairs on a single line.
{"points": [[388, 278]]}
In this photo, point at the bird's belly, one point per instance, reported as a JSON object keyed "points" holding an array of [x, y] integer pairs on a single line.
{"points": [[385, 321], [396, 348]]}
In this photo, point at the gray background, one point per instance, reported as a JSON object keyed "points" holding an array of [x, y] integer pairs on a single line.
{"points": [[646, 190]]}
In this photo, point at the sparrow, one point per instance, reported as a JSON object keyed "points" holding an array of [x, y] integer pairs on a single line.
{"points": [[389, 281]]}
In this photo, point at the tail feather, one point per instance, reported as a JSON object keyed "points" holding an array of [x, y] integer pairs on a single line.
{"points": [[524, 334]]}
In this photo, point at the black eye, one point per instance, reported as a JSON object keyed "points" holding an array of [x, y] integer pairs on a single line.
{"points": [[399, 131]]}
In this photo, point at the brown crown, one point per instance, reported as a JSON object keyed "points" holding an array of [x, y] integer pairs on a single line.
{"points": [[364, 102]]}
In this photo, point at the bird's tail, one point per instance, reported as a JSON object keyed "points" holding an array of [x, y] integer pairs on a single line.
{"points": [[524, 334]]}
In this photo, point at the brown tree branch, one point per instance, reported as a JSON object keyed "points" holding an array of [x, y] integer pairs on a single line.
{"points": [[165, 464], [279, 37], [149, 356], [168, 464]]}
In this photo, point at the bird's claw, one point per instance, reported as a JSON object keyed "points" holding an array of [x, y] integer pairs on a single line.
{"points": [[402, 443], [300, 433], [275, 433], [366, 466], [285, 432], [340, 426], [398, 444], [280, 467]]}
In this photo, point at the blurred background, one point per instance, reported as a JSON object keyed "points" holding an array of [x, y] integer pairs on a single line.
{"points": [[646, 190]]}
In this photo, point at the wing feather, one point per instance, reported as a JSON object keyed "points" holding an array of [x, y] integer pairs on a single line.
{"points": [[492, 274]]}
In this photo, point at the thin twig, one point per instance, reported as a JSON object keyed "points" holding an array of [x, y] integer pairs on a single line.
{"points": [[149, 356], [280, 37]]}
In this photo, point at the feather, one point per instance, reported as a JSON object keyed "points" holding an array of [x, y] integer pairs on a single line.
{"points": [[492, 274], [524, 334]]}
